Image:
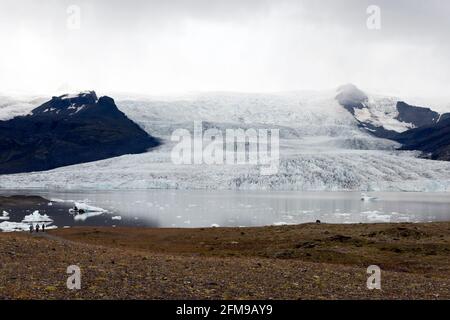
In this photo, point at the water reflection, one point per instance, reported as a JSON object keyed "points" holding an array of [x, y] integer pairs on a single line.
{"points": [[169, 208]]}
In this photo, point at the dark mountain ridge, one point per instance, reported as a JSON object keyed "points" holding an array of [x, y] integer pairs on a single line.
{"points": [[433, 140], [69, 130]]}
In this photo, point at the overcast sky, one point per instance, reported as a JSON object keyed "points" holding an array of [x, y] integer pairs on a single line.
{"points": [[166, 46]]}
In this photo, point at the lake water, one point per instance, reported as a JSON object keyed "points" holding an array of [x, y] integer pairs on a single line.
{"points": [[174, 208]]}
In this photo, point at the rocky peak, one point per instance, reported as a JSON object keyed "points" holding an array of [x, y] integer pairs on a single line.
{"points": [[351, 97], [67, 104]]}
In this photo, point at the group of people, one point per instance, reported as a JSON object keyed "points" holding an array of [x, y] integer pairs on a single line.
{"points": [[36, 228]]}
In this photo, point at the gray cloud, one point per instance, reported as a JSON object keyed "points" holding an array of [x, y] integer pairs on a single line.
{"points": [[244, 45]]}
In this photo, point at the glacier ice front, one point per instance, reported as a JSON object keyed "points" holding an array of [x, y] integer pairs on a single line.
{"points": [[322, 148]]}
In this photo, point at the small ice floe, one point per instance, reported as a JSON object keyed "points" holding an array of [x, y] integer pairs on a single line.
{"points": [[116, 218], [4, 216], [87, 215], [29, 220], [366, 198], [81, 208], [50, 204], [215, 225], [36, 217], [243, 205], [342, 214], [7, 226], [376, 216], [60, 200], [83, 211], [281, 223]]}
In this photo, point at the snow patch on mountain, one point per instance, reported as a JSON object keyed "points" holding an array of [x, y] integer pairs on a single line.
{"points": [[382, 112]]}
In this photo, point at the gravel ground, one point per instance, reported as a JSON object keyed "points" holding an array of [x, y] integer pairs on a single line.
{"points": [[290, 262]]}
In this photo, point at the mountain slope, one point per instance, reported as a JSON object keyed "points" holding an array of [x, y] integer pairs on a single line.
{"points": [[384, 117], [432, 139], [68, 130]]}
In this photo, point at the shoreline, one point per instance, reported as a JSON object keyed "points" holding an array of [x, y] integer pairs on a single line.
{"points": [[308, 261]]}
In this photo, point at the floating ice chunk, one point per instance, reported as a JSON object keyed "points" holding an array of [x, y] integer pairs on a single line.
{"points": [[87, 215], [116, 218], [78, 206], [8, 226], [366, 198], [281, 223], [343, 214], [36, 217], [60, 200], [376, 216], [4, 216]]}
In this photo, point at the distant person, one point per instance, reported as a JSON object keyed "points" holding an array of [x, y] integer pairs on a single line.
{"points": [[37, 228], [31, 228], [43, 227]]}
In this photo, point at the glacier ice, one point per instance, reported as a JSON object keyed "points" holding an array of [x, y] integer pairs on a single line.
{"points": [[321, 148]]}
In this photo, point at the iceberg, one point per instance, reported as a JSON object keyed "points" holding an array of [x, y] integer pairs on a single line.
{"points": [[36, 217]]}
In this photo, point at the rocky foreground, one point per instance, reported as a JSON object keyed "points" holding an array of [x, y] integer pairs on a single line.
{"points": [[314, 261]]}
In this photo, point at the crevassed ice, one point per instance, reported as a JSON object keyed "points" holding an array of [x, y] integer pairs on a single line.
{"points": [[322, 148]]}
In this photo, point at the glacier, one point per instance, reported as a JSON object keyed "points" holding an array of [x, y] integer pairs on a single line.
{"points": [[322, 148]]}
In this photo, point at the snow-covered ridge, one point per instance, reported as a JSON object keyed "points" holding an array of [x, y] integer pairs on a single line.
{"points": [[82, 94]]}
